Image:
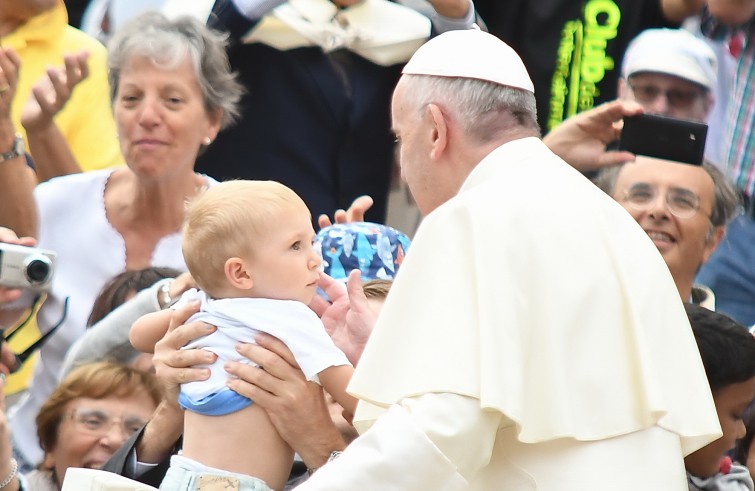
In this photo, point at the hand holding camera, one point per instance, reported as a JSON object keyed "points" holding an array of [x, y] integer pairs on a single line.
{"points": [[10, 291], [24, 267]]}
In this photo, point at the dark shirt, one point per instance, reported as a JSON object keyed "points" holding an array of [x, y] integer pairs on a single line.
{"points": [[572, 49], [317, 122]]}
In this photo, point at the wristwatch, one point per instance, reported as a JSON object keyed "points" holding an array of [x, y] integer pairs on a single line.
{"points": [[163, 293], [16, 150]]}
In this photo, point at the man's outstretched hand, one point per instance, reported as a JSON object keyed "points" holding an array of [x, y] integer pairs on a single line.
{"points": [[348, 317]]}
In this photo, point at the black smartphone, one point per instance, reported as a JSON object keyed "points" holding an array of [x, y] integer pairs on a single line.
{"points": [[664, 138]]}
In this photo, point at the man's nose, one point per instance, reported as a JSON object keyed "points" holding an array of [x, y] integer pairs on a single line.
{"points": [[659, 105], [115, 435], [658, 206]]}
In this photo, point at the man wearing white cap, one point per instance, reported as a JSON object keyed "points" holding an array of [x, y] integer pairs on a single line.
{"points": [[534, 338], [670, 72]]}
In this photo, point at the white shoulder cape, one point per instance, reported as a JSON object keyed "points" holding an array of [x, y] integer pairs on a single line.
{"points": [[537, 294]]}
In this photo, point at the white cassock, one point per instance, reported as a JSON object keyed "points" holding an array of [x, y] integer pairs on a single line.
{"points": [[533, 340]]}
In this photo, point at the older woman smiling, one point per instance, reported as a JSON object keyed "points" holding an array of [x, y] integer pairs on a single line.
{"points": [[87, 418], [172, 92]]}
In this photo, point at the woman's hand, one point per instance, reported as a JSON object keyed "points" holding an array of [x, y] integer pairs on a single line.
{"points": [[295, 406], [52, 91], [174, 366]]}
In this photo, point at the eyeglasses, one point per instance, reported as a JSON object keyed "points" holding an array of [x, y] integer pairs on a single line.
{"points": [[681, 99], [99, 422], [682, 203]]}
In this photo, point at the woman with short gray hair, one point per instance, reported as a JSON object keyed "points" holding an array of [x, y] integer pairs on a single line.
{"points": [[168, 43], [172, 92]]}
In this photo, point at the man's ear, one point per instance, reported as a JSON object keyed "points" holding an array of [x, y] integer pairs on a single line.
{"points": [[715, 239], [439, 131], [237, 273]]}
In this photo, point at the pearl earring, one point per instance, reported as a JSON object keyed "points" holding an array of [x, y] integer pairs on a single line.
{"points": [[207, 140]]}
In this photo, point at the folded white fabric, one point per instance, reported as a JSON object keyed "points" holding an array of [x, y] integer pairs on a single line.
{"points": [[96, 480], [381, 31], [199, 9]]}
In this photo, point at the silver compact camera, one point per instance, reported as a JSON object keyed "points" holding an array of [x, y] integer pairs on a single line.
{"points": [[26, 267]]}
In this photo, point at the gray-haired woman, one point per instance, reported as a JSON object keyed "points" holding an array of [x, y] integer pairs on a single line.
{"points": [[172, 92]]}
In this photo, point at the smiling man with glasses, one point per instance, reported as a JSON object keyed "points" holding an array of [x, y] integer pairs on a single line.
{"points": [[683, 208], [670, 72]]}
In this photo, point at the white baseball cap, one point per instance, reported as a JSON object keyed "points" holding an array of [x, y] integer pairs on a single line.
{"points": [[675, 52], [470, 53]]}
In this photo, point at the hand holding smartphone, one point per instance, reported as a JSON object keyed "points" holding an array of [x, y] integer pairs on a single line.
{"points": [[664, 138]]}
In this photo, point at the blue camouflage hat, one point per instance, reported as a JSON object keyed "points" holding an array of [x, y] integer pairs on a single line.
{"points": [[376, 250]]}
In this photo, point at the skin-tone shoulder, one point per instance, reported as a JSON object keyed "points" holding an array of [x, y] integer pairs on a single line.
{"points": [[678, 10], [732, 12]]}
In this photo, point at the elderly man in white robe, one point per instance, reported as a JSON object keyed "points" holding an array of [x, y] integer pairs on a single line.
{"points": [[534, 339]]}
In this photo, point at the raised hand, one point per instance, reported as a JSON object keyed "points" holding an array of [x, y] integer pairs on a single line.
{"points": [[581, 139], [174, 366], [348, 317], [355, 213], [53, 90]]}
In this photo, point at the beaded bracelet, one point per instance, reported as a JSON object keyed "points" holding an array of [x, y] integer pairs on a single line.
{"points": [[12, 475]]}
